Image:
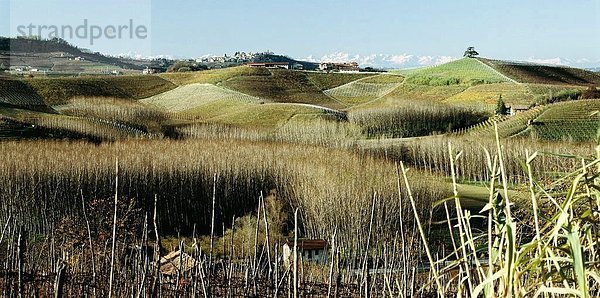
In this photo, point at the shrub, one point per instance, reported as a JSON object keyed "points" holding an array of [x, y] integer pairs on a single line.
{"points": [[591, 92]]}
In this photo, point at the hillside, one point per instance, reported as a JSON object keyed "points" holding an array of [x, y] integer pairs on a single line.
{"points": [[576, 120], [37, 52], [572, 120], [207, 103], [489, 93], [20, 94], [325, 81], [543, 74], [200, 100], [365, 89], [483, 81], [464, 71], [213, 76], [22, 121], [283, 86], [442, 82], [268, 98], [56, 91], [269, 116]]}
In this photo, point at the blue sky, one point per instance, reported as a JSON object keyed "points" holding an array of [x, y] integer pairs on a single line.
{"points": [[393, 32]]}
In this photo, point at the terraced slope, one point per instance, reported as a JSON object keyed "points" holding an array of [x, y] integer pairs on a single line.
{"points": [[284, 86], [208, 103], [213, 76], [543, 74], [15, 130], [576, 120], [95, 129], [325, 81], [125, 111], [573, 120], [366, 89], [442, 82], [507, 126], [57, 91], [20, 94], [200, 100], [489, 93], [408, 91], [269, 116], [466, 71]]}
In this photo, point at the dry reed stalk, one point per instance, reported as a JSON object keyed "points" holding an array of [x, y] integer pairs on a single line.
{"points": [[114, 231]]}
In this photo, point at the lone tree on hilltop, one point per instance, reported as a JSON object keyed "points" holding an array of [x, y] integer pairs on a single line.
{"points": [[470, 52]]}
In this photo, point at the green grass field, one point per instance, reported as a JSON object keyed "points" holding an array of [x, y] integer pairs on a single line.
{"points": [[572, 121], [365, 90], [464, 71], [408, 91], [196, 97], [569, 121], [407, 71]]}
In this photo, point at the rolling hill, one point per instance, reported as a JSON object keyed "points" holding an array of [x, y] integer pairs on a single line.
{"points": [[284, 86], [41, 53], [20, 94], [213, 76], [365, 89], [464, 71], [543, 74], [571, 120], [325, 81], [200, 100], [208, 103], [261, 98], [56, 91], [28, 122], [483, 81], [442, 82], [576, 120]]}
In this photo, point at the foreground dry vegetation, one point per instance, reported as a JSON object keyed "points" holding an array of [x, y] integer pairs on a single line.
{"points": [[229, 207], [431, 155], [49, 194], [329, 186]]}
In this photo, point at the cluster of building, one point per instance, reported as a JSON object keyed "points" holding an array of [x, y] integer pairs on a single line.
{"points": [[271, 65], [238, 57], [339, 67], [326, 67]]}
